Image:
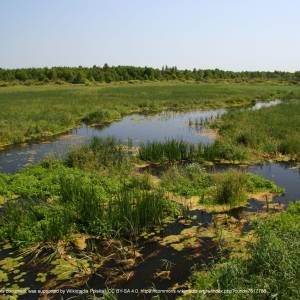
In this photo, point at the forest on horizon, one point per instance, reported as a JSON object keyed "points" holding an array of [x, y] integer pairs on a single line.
{"points": [[79, 75]]}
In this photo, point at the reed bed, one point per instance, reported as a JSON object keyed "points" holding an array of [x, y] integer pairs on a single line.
{"points": [[177, 150]]}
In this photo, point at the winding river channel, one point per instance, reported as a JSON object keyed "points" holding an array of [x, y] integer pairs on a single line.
{"points": [[188, 126]]}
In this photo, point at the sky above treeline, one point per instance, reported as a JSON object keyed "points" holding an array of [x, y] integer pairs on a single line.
{"points": [[226, 34]]}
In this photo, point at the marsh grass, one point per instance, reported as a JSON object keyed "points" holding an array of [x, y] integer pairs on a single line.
{"points": [[230, 187], [99, 153], [28, 222], [274, 130], [169, 151], [35, 112], [83, 204], [173, 150], [134, 211], [101, 116], [186, 181]]}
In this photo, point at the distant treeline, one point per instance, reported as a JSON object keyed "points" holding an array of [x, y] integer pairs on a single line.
{"points": [[127, 73]]}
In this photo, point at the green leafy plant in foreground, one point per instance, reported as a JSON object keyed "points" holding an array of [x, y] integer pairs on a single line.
{"points": [[84, 205]]}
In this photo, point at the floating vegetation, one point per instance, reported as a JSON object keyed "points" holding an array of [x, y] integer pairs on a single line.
{"points": [[271, 264]]}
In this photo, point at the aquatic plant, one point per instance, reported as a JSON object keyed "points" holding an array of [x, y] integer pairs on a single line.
{"points": [[101, 116], [85, 204], [134, 211], [190, 180], [168, 151], [178, 150], [269, 131]]}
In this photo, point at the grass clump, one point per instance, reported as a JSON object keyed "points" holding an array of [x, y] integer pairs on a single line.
{"points": [[29, 222], [134, 211], [273, 263], [186, 181], [101, 116], [169, 151], [256, 183], [224, 150], [230, 187], [98, 154], [176, 150]]}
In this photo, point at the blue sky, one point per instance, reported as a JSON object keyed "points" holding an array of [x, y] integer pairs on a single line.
{"points": [[225, 34]]}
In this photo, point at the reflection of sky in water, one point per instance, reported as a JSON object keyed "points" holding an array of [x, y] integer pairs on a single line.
{"points": [[158, 127], [260, 105], [283, 175], [136, 127]]}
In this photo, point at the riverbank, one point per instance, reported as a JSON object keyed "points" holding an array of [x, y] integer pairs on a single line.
{"points": [[29, 113]]}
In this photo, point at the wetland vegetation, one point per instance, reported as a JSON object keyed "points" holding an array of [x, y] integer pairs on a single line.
{"points": [[77, 216], [158, 214], [270, 132], [30, 113]]}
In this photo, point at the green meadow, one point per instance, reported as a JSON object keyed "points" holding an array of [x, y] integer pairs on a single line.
{"points": [[269, 132]]}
